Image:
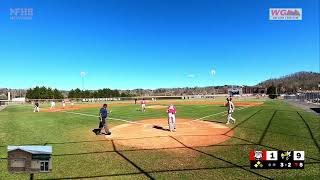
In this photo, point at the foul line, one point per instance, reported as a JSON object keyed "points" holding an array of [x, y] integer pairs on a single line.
{"points": [[218, 114], [99, 116], [117, 119]]}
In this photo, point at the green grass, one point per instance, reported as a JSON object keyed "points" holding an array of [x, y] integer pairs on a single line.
{"points": [[78, 153]]}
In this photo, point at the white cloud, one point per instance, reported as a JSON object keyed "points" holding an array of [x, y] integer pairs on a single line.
{"points": [[190, 75]]}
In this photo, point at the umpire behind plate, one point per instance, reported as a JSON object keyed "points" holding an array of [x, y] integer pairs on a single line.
{"points": [[103, 119]]}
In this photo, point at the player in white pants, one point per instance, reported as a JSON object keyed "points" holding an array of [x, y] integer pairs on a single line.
{"points": [[231, 108], [63, 104], [143, 105], [53, 105], [36, 107], [172, 117]]}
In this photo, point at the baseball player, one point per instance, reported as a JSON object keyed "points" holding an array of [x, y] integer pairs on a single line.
{"points": [[53, 104], [231, 108], [36, 107], [63, 104], [172, 117], [143, 105]]}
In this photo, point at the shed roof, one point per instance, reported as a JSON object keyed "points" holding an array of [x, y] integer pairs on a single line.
{"points": [[32, 149]]}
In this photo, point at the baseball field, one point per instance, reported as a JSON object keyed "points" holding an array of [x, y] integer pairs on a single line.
{"points": [[140, 147]]}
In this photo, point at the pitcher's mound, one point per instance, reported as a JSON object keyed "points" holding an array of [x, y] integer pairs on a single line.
{"points": [[154, 134]]}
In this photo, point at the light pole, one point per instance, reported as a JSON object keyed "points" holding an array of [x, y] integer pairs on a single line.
{"points": [[82, 75], [213, 73]]}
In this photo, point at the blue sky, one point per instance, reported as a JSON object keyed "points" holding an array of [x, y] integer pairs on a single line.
{"points": [[127, 44]]}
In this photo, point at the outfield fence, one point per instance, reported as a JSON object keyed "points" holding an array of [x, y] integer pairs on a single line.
{"points": [[309, 97], [93, 100], [3, 102], [7, 102], [149, 98]]}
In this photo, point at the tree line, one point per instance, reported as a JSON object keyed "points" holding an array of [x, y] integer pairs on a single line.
{"points": [[43, 93], [101, 93], [293, 83], [49, 93]]}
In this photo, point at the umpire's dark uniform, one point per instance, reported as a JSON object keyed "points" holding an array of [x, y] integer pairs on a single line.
{"points": [[103, 118]]}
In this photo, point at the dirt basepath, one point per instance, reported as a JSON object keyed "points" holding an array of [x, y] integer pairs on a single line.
{"points": [[153, 134], [156, 107]]}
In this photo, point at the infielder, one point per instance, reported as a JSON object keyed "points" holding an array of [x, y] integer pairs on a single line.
{"points": [[143, 105], [53, 104], [231, 108], [63, 104], [36, 107], [172, 117]]}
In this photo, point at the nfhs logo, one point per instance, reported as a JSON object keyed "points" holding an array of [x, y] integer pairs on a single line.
{"points": [[21, 13]]}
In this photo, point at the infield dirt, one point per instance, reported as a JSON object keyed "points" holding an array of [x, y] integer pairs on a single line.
{"points": [[154, 134]]}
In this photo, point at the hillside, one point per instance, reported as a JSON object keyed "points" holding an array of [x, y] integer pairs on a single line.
{"points": [[292, 82]]}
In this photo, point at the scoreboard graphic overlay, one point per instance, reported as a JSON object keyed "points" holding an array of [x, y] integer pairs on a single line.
{"points": [[277, 159]]}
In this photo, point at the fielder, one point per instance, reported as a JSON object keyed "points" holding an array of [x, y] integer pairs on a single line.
{"points": [[36, 107], [172, 117], [63, 104], [143, 105], [231, 108], [53, 105]]}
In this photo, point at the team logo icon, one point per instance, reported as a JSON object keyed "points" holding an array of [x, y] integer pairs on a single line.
{"points": [[286, 155], [258, 154]]}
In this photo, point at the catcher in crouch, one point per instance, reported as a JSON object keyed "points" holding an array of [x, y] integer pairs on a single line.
{"points": [[172, 118]]}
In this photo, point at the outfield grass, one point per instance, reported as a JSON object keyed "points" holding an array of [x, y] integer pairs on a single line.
{"points": [[78, 153]]}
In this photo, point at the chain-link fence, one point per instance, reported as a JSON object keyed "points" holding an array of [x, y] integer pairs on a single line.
{"points": [[3, 102], [309, 97]]}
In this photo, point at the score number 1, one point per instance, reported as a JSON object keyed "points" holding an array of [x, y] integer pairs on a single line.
{"points": [[272, 156]]}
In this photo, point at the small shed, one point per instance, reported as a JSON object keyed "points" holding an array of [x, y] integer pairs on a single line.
{"points": [[30, 159]]}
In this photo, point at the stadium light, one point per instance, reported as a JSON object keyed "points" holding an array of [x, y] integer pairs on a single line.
{"points": [[82, 75], [213, 73]]}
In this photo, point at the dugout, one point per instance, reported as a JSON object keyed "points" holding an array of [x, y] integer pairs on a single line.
{"points": [[235, 91], [30, 159]]}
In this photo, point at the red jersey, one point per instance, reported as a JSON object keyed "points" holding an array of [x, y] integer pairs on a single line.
{"points": [[172, 109]]}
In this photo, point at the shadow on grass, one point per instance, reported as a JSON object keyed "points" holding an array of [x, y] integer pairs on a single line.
{"points": [[238, 124], [158, 171], [273, 132], [131, 162], [317, 110], [310, 132], [233, 164], [150, 172], [133, 150]]}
